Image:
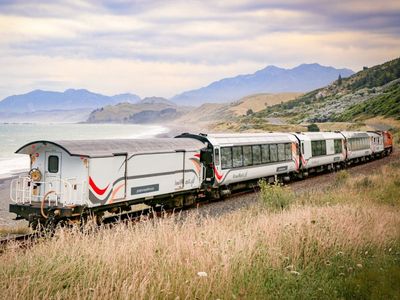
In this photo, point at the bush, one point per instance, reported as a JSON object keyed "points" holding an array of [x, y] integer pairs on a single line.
{"points": [[313, 127], [275, 197]]}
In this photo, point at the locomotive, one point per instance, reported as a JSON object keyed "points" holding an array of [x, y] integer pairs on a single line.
{"points": [[70, 180]]}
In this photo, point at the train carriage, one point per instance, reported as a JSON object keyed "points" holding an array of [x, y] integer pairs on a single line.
{"points": [[358, 146], [248, 156], [376, 143], [321, 150], [67, 176]]}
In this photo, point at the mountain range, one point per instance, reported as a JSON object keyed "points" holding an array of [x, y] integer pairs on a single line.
{"points": [[70, 99], [303, 78]]}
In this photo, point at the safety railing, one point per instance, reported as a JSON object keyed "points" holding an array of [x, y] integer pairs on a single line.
{"points": [[24, 190]]}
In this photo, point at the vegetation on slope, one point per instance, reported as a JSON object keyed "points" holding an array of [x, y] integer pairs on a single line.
{"points": [[343, 242], [370, 85], [387, 104]]}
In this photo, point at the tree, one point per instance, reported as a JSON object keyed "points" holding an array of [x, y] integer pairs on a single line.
{"points": [[339, 81], [313, 127], [249, 112]]}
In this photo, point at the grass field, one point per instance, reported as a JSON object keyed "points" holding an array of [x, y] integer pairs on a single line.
{"points": [[343, 242]]}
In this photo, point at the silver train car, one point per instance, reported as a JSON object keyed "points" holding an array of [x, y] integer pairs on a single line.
{"points": [[70, 180]]}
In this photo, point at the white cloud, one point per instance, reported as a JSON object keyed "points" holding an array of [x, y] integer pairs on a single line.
{"points": [[162, 48]]}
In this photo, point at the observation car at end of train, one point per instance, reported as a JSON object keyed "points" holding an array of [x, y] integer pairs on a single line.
{"points": [[67, 177]]}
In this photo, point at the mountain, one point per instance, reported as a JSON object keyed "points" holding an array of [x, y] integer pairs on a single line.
{"points": [[70, 99], [271, 79], [149, 110], [369, 93]]}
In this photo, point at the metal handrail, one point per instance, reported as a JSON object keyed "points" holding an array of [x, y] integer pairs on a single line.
{"points": [[21, 191]]}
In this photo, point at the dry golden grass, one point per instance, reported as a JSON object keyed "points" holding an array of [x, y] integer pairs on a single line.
{"points": [[231, 256], [260, 101]]}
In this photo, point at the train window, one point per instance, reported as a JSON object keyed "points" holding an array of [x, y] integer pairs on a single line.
{"points": [[281, 152], [53, 164], [288, 151], [247, 156], [237, 157], [256, 155], [273, 152], [216, 157], [265, 154], [226, 157], [337, 146], [318, 148]]}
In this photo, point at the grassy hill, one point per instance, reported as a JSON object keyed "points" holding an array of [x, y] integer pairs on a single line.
{"points": [[232, 112], [149, 110], [369, 92]]}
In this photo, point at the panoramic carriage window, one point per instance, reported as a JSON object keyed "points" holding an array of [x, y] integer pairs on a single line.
{"points": [[226, 157], [216, 157], [53, 164], [265, 154], [237, 157], [273, 151], [247, 156], [318, 148], [281, 152], [256, 155], [288, 151], [337, 146]]}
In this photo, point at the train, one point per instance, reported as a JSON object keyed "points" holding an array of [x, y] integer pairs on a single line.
{"points": [[71, 180]]}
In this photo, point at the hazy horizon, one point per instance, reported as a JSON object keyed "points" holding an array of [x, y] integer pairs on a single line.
{"points": [[158, 48]]}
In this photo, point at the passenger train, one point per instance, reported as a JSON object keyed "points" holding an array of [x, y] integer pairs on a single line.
{"points": [[70, 180]]}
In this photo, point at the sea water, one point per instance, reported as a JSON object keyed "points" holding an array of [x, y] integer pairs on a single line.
{"points": [[14, 136]]}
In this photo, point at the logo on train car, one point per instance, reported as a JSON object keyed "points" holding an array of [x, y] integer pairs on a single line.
{"points": [[145, 189], [280, 169], [240, 175]]}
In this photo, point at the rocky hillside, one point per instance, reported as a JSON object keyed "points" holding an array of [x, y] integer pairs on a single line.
{"points": [[370, 92], [149, 110]]}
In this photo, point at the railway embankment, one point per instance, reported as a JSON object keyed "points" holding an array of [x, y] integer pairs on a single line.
{"points": [[332, 236]]}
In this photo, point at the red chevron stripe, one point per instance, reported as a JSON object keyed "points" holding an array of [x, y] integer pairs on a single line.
{"points": [[95, 188]]}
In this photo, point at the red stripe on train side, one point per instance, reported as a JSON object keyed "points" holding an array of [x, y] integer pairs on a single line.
{"points": [[97, 190]]}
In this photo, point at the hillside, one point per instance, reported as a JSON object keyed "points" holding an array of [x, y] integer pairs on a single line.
{"points": [[149, 110], [367, 93], [70, 99], [216, 112], [271, 79]]}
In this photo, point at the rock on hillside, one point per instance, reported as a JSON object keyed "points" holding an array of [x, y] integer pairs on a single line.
{"points": [[271, 79]]}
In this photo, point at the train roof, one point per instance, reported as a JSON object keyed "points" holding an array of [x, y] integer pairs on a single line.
{"points": [[104, 148], [228, 139], [355, 134], [321, 135]]}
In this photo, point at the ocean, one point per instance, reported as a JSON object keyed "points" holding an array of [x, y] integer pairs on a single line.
{"points": [[13, 136]]}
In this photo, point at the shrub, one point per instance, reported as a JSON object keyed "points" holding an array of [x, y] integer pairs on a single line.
{"points": [[313, 127], [275, 197], [341, 177]]}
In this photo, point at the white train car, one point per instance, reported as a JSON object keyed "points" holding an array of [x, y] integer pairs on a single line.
{"points": [[376, 143], [321, 149], [358, 145], [67, 176], [248, 156]]}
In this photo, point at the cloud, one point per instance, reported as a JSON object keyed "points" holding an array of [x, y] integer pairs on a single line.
{"points": [[183, 44]]}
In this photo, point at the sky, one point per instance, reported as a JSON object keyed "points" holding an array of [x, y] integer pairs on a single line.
{"points": [[161, 48]]}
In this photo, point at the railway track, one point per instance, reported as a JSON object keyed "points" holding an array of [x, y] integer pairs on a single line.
{"points": [[25, 240]]}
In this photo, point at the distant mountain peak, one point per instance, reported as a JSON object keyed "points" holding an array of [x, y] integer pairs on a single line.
{"points": [[271, 79]]}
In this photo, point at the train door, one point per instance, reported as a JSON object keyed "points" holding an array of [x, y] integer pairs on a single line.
{"points": [[180, 176], [206, 158], [52, 173]]}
